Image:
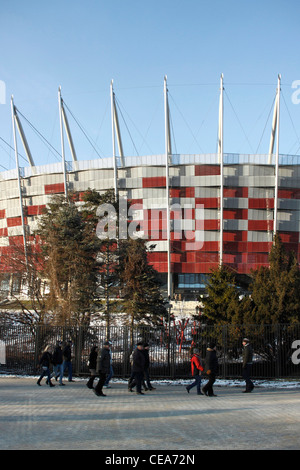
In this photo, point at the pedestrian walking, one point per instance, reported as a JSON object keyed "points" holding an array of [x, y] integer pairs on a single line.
{"points": [[211, 369], [138, 368], [247, 365], [196, 369], [92, 363], [67, 363], [45, 362], [103, 368], [146, 382], [131, 381], [57, 360], [111, 370]]}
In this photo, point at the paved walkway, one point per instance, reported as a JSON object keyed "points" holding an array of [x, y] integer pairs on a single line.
{"points": [[73, 417]]}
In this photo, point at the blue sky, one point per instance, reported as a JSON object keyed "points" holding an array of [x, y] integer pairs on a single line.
{"points": [[83, 45]]}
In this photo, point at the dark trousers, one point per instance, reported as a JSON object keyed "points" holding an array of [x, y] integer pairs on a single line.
{"points": [[147, 379], [137, 380], [101, 382], [90, 382], [246, 377], [208, 387], [46, 371]]}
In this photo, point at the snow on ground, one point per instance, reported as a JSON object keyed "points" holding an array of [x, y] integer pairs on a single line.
{"points": [[280, 384]]}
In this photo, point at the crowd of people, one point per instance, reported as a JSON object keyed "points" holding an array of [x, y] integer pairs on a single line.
{"points": [[61, 359], [101, 366]]}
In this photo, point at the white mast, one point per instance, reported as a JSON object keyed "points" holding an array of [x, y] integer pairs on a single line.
{"points": [[277, 158], [13, 114], [23, 138], [220, 153], [168, 152], [112, 101], [68, 132], [273, 131], [62, 141], [115, 130]]}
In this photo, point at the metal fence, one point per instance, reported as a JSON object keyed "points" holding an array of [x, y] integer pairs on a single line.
{"points": [[276, 348]]}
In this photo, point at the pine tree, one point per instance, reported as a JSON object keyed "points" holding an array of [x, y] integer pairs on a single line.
{"points": [[221, 304], [276, 290], [140, 286], [70, 247], [108, 254]]}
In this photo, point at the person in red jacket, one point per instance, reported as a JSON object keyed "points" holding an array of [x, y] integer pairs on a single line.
{"points": [[196, 369]]}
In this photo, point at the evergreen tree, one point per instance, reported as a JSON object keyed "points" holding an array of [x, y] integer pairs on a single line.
{"points": [[70, 247], [222, 301], [140, 286], [276, 290], [108, 254]]}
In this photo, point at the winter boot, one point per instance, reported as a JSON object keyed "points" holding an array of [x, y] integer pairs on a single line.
{"points": [[90, 382]]}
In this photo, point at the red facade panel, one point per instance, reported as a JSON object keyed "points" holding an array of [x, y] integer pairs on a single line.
{"points": [[235, 247], [182, 192], [54, 188], [235, 236], [15, 221], [2, 214], [259, 247], [210, 224], [154, 182], [35, 210], [208, 202], [230, 214], [289, 193], [16, 240], [207, 257], [205, 170], [265, 225], [235, 192], [260, 203], [289, 237]]}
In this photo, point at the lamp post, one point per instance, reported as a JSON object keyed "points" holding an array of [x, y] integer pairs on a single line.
{"points": [[169, 307]]}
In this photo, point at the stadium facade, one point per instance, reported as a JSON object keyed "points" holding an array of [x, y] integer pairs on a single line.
{"points": [[199, 211]]}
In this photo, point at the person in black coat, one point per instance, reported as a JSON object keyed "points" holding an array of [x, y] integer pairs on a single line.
{"points": [[103, 368], [211, 369], [138, 367], [57, 360], [92, 363], [146, 382], [67, 356], [45, 362]]}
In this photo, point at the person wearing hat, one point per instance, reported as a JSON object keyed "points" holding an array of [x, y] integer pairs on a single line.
{"points": [[103, 368], [196, 369], [247, 365], [146, 382], [138, 367], [211, 369]]}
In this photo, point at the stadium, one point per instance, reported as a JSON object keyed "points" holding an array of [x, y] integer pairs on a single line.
{"points": [[199, 210]]}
